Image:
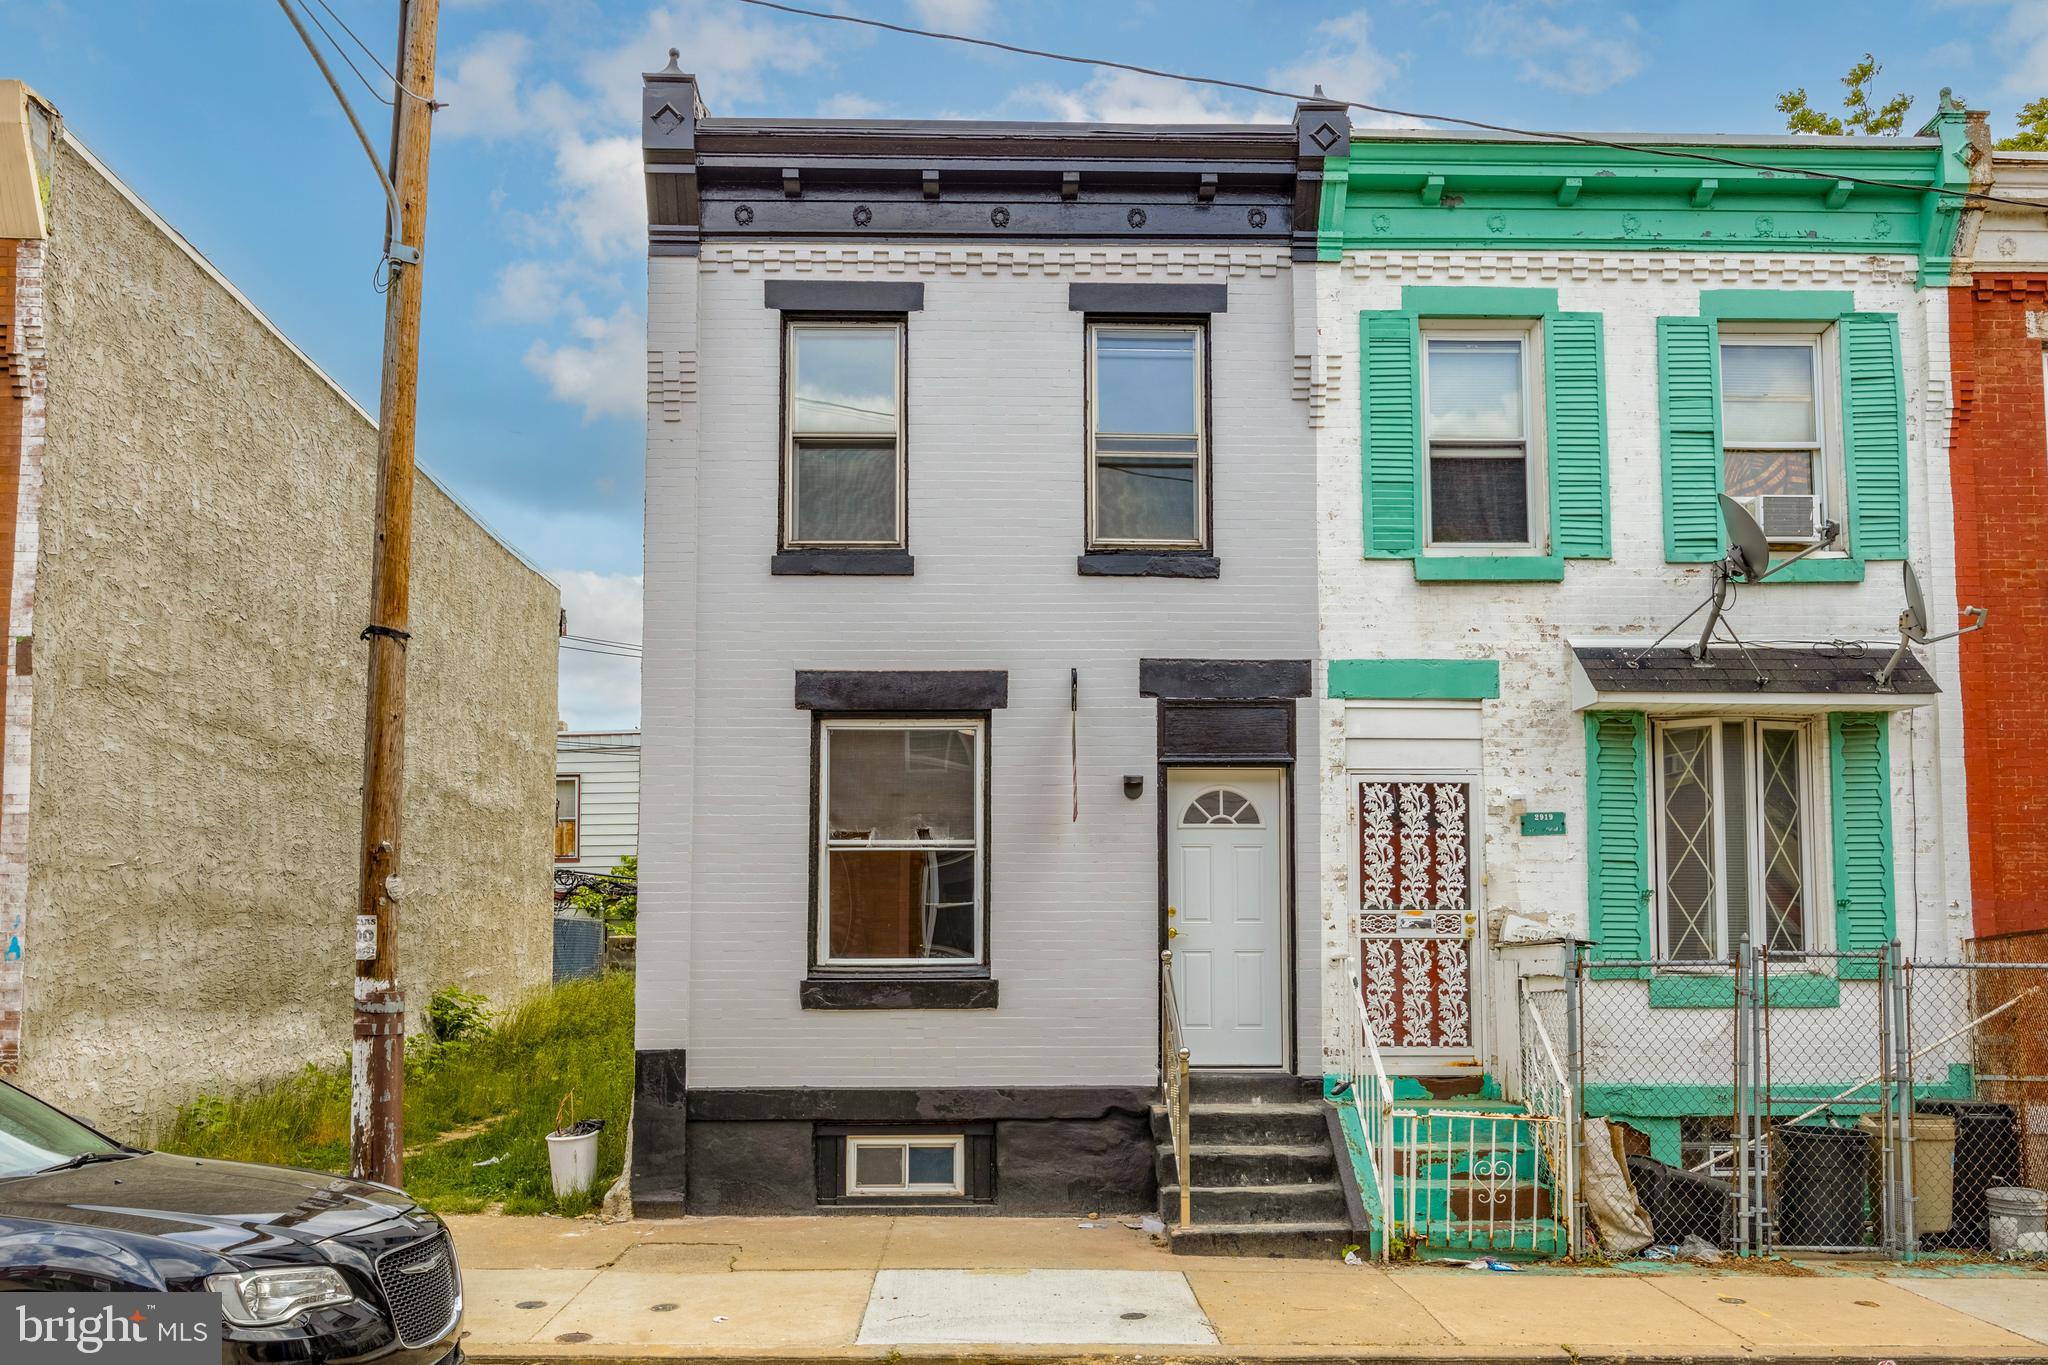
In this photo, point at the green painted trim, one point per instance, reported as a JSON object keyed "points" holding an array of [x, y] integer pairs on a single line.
{"points": [[1330, 221], [1414, 679], [1776, 305], [1860, 810], [1618, 838], [1689, 439], [1792, 991], [1522, 196], [1575, 415], [1874, 434], [1390, 433], [1524, 568], [1476, 301], [1674, 1100], [1818, 570]]}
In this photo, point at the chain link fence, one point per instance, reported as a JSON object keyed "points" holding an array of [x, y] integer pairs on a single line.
{"points": [[1818, 1101]]}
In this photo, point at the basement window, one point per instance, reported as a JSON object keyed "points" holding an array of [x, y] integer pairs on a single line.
{"points": [[897, 1166]]}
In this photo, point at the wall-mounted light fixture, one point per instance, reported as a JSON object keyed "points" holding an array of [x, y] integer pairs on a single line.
{"points": [[1134, 786]]}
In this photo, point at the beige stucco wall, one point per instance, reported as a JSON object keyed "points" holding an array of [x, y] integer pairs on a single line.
{"points": [[197, 735]]}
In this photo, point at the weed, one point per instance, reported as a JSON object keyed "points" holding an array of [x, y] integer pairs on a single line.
{"points": [[501, 1088]]}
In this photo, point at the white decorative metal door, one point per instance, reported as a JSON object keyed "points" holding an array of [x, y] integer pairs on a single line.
{"points": [[1417, 920]]}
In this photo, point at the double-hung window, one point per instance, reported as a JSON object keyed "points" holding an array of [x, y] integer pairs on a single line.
{"points": [[1147, 438], [902, 857], [1482, 414], [842, 474], [1735, 828], [568, 817], [1778, 451]]}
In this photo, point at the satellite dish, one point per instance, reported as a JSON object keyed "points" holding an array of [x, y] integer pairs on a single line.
{"points": [[1913, 621], [1748, 549]]}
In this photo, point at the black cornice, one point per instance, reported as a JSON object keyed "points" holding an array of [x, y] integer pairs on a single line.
{"points": [[754, 179]]}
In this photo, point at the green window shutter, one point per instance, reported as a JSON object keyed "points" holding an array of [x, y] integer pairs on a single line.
{"points": [[1874, 434], [1391, 433], [1574, 399], [1617, 821], [1689, 417], [1860, 782]]}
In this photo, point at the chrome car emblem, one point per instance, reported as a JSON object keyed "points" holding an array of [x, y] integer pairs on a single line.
{"points": [[432, 1262]]}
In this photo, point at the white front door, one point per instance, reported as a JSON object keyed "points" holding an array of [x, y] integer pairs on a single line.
{"points": [[1226, 829]]}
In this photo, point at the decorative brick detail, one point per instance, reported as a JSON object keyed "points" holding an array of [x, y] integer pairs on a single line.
{"points": [[1319, 382], [1750, 270], [1080, 261], [2000, 480], [671, 382]]}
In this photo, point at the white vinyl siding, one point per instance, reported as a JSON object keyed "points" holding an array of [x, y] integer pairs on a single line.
{"points": [[607, 767]]}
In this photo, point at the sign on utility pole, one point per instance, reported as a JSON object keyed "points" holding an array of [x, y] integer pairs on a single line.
{"points": [[377, 1108]]}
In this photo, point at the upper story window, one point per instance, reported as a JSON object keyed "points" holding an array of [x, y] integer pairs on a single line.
{"points": [[842, 471], [1484, 481], [1779, 453], [900, 819], [1733, 821], [1147, 436], [568, 817]]}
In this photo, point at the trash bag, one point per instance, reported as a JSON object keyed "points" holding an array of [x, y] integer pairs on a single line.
{"points": [[1622, 1221]]}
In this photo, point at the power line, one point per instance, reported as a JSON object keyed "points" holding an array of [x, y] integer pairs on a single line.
{"points": [[633, 645], [1578, 139], [342, 52], [368, 51]]}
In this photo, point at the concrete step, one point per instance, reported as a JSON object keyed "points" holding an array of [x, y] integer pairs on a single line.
{"points": [[1302, 1240], [1249, 1123], [1314, 1201], [1249, 1164], [1206, 1086]]}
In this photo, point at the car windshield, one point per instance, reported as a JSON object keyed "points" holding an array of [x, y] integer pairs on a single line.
{"points": [[33, 1136]]}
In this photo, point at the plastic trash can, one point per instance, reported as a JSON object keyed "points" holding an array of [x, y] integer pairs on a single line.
{"points": [[2018, 1220], [1683, 1203], [1987, 1156], [1823, 1179], [1934, 1169]]}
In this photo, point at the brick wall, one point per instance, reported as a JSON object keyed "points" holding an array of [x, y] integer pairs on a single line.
{"points": [[1999, 459]]}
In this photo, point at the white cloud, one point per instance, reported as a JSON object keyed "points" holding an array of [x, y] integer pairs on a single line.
{"points": [[733, 52], [1575, 60], [954, 16], [2023, 48], [849, 104], [598, 691], [535, 291], [489, 96], [604, 368], [1343, 60]]}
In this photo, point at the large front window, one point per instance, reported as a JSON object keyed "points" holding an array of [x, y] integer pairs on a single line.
{"points": [[843, 466], [1775, 437], [1483, 480], [901, 828], [1734, 801], [1146, 482]]}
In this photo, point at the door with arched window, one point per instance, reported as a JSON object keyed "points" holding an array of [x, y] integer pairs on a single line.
{"points": [[1225, 881]]}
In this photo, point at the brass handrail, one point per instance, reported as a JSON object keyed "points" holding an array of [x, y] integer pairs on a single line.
{"points": [[1173, 1083]]}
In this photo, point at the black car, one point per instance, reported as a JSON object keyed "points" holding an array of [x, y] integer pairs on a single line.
{"points": [[309, 1267]]}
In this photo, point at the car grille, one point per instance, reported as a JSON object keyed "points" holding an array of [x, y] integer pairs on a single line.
{"points": [[422, 1288]]}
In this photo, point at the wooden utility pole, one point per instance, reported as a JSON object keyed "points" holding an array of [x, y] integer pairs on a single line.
{"points": [[377, 1109]]}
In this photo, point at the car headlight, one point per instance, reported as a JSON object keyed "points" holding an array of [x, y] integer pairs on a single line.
{"points": [[265, 1298]]}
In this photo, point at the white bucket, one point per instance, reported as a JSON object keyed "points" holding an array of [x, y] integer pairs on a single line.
{"points": [[2018, 1220], [572, 1162]]}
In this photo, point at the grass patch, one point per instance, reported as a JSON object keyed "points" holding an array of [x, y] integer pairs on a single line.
{"points": [[467, 1100]]}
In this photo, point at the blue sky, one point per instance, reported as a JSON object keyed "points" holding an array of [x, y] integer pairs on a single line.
{"points": [[533, 362]]}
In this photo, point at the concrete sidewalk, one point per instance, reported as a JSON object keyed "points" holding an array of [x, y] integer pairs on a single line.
{"points": [[960, 1288]]}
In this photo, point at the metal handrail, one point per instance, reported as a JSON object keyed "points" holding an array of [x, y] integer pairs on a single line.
{"points": [[1565, 1151], [1372, 1099], [1173, 1084]]}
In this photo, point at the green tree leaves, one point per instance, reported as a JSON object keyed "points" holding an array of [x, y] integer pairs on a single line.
{"points": [[1858, 115]]}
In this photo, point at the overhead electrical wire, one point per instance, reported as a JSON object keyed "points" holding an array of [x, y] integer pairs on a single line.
{"points": [[1578, 139], [342, 52], [368, 51]]}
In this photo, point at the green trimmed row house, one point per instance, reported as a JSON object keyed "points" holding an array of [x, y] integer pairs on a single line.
{"points": [[1157, 690]]}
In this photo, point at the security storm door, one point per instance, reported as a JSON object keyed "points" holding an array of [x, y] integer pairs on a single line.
{"points": [[1416, 918], [1226, 828]]}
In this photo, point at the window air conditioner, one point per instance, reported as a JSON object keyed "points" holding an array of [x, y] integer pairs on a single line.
{"points": [[1787, 518]]}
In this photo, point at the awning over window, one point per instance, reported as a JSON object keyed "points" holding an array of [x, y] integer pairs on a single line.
{"points": [[1816, 677]]}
